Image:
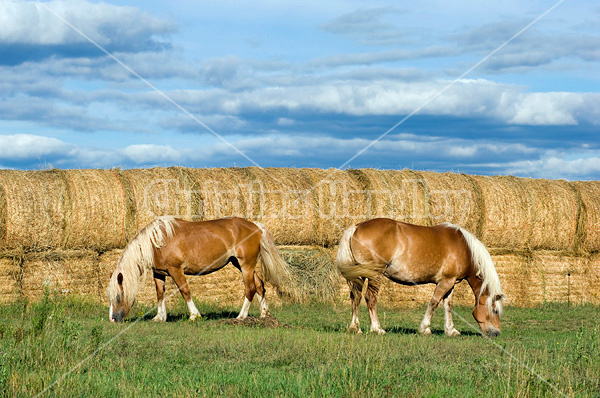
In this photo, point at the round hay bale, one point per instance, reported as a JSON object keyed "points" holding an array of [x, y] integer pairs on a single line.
{"points": [[64, 272], [191, 193], [560, 277], [591, 283], [517, 277], [220, 193], [282, 201], [107, 263], [553, 209], [3, 213], [409, 196], [97, 217], [158, 192], [10, 280], [131, 222], [590, 214], [35, 209], [337, 203], [379, 194], [508, 212], [452, 198]]}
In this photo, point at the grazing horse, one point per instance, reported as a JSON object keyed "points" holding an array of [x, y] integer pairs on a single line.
{"points": [[174, 247], [413, 255]]}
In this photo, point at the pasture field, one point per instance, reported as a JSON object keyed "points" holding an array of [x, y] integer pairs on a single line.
{"points": [[66, 347]]}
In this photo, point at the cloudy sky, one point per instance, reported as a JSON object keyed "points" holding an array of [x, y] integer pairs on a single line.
{"points": [[463, 86]]}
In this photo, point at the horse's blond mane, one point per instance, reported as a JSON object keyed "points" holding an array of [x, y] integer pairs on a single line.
{"points": [[138, 258], [485, 269]]}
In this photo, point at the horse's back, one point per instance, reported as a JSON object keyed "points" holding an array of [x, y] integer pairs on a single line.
{"points": [[207, 245], [411, 249]]}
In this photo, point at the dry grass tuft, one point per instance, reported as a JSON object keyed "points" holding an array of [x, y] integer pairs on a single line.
{"points": [[268, 322]]}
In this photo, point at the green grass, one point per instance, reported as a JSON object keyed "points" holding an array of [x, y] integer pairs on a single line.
{"points": [[68, 346]]}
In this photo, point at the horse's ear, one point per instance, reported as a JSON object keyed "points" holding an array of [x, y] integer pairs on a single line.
{"points": [[120, 279]]}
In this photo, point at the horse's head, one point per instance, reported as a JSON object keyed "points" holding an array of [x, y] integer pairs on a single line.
{"points": [[119, 303], [487, 313]]}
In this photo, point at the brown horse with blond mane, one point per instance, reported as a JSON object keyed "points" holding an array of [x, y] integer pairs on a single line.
{"points": [[413, 255], [174, 247]]}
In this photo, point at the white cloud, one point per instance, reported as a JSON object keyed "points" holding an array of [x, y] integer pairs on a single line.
{"points": [[466, 98], [29, 22], [545, 109], [14, 147], [554, 165], [152, 154]]}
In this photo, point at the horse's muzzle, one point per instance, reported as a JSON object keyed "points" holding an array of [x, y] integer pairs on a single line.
{"points": [[492, 332], [115, 316]]}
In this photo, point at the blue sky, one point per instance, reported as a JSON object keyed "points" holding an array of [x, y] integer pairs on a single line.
{"points": [[302, 84]]}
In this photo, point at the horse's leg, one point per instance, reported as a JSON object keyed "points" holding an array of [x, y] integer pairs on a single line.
{"points": [[371, 298], [442, 288], [449, 323], [181, 282], [355, 297], [262, 297], [161, 315], [248, 273]]}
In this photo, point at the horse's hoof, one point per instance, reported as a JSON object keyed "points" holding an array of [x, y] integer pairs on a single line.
{"points": [[425, 332], [380, 331], [355, 330], [453, 333], [194, 317], [159, 319]]}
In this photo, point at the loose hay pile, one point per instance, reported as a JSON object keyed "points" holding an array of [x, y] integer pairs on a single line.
{"points": [[64, 229]]}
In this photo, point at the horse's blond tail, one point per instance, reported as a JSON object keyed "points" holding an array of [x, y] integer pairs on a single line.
{"points": [[273, 266], [347, 265]]}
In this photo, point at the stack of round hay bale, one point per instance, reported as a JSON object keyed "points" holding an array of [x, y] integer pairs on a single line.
{"points": [[64, 229]]}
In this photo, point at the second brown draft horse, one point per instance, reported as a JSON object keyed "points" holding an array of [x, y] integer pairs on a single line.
{"points": [[413, 255]]}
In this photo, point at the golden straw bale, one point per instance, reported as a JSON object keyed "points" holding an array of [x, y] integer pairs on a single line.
{"points": [[452, 198], [130, 205], [590, 214], [224, 286], [97, 217], [553, 212], [530, 278], [337, 203], [378, 193], [592, 280], [283, 202], [221, 195], [191, 209], [36, 207], [517, 277], [3, 213], [157, 192], [566, 277], [65, 272], [107, 263], [508, 212], [10, 280], [409, 195], [395, 295]]}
